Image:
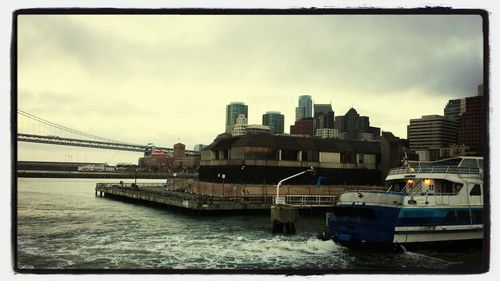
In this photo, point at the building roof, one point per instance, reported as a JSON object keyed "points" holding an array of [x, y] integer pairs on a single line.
{"points": [[366, 147], [258, 140], [295, 143], [221, 143]]}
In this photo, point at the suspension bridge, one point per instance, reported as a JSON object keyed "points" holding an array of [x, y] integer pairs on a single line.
{"points": [[62, 135]]}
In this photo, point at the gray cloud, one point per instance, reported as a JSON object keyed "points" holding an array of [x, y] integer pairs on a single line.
{"points": [[156, 68]]}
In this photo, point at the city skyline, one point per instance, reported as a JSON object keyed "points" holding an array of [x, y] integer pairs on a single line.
{"points": [[143, 79]]}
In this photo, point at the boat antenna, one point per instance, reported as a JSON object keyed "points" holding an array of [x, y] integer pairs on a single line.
{"points": [[405, 159]]}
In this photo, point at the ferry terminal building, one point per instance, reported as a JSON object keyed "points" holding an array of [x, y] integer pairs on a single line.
{"points": [[267, 159]]}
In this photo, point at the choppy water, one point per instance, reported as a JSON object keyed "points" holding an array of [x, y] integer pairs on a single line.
{"points": [[62, 225]]}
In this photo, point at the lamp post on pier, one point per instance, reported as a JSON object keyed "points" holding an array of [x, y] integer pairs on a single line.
{"points": [[284, 216], [280, 200]]}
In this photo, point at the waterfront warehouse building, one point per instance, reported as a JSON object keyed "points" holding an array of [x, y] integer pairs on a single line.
{"points": [[275, 120], [266, 159], [304, 110], [233, 110]]}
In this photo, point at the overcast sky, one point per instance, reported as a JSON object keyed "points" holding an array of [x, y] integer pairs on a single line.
{"points": [[168, 78]]}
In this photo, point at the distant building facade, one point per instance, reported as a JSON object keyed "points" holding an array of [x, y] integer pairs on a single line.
{"points": [[240, 126], [355, 126], [304, 110], [304, 126], [324, 117], [327, 133], [431, 132], [169, 162], [254, 129], [472, 123], [365, 137], [199, 147], [233, 110], [275, 120], [452, 109]]}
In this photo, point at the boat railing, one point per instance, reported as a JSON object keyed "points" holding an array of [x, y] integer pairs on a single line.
{"points": [[435, 170]]}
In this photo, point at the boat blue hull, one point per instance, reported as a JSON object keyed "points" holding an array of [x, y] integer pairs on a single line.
{"points": [[374, 226], [362, 224]]}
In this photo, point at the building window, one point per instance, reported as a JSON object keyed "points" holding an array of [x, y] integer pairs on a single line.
{"points": [[289, 155], [347, 158], [260, 153]]}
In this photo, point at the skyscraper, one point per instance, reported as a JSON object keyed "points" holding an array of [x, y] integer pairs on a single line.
{"points": [[431, 132], [452, 109], [323, 116], [275, 120], [355, 126], [472, 123], [233, 110], [304, 110]]}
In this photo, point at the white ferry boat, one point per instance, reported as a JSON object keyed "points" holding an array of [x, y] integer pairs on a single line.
{"points": [[435, 202]]}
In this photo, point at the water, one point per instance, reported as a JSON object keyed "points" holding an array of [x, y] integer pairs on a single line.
{"points": [[63, 225]]}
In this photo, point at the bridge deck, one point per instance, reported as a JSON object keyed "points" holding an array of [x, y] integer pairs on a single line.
{"points": [[91, 143]]}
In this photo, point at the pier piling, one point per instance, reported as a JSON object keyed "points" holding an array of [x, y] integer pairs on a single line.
{"points": [[284, 218]]}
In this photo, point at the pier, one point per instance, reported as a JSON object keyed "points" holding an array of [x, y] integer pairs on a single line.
{"points": [[161, 194], [206, 197]]}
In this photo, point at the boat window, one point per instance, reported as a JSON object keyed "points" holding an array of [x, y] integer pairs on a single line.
{"points": [[476, 190], [448, 187], [396, 185], [469, 163]]}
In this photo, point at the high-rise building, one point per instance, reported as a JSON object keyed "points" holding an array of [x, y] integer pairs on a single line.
{"points": [[324, 116], [233, 110], [240, 127], [275, 120], [472, 123], [304, 110], [355, 126], [303, 126], [452, 109], [431, 132]]}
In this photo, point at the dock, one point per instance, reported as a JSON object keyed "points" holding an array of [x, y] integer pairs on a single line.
{"points": [[189, 194], [159, 194]]}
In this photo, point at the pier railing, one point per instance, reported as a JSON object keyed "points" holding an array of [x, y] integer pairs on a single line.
{"points": [[435, 170], [308, 200]]}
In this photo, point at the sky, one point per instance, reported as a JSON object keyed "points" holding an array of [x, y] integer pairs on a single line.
{"points": [[165, 79]]}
